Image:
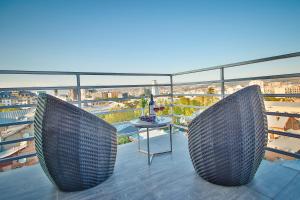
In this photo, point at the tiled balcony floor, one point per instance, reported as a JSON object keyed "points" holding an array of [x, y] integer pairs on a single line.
{"points": [[171, 176]]}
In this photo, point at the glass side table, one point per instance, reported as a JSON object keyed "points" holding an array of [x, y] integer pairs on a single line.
{"points": [[159, 123]]}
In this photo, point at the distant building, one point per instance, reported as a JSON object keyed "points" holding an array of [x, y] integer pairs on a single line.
{"points": [[125, 95], [113, 94], [5, 95], [155, 89], [293, 89], [288, 124], [17, 97], [283, 123], [104, 95], [11, 150], [7, 99]]}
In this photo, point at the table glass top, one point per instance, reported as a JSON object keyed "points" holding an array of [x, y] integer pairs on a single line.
{"points": [[160, 121]]}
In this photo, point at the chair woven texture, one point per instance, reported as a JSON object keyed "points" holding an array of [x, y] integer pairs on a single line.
{"points": [[76, 149], [227, 141]]}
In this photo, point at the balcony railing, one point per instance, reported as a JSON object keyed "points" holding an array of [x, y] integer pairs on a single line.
{"points": [[171, 84]]}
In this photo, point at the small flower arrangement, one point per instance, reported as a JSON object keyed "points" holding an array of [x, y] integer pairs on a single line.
{"points": [[144, 102]]}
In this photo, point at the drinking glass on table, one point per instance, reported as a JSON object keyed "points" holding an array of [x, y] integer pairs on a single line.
{"points": [[156, 110], [161, 108]]}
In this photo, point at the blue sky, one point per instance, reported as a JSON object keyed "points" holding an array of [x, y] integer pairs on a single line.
{"points": [[144, 36]]}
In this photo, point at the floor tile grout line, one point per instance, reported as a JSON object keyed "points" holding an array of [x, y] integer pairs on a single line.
{"points": [[265, 195], [287, 184]]}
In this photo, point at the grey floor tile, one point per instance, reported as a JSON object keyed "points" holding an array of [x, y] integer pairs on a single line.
{"points": [[170, 176], [271, 178], [292, 191], [293, 164]]}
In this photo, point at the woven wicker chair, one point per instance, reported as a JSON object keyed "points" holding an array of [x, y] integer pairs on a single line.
{"points": [[226, 141], [76, 149]]}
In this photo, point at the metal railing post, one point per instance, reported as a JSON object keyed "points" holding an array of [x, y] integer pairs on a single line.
{"points": [[78, 90], [222, 82], [172, 96]]}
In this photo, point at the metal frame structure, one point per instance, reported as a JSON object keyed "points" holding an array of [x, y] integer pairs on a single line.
{"points": [[149, 154], [171, 84]]}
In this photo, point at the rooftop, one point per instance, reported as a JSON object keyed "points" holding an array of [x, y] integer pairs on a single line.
{"points": [[170, 176]]}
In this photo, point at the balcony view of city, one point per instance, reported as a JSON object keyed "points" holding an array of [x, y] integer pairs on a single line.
{"points": [[149, 100], [119, 106]]}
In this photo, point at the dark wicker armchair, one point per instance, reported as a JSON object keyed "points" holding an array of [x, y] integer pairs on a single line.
{"points": [[226, 141], [76, 149]]}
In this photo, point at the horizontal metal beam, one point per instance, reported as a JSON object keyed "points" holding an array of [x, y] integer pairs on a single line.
{"points": [[288, 134], [15, 123], [199, 95], [272, 58], [175, 115], [294, 155], [79, 73], [81, 87], [88, 101], [119, 99], [283, 114], [109, 99], [115, 111], [282, 95], [8, 159], [182, 127], [122, 86], [198, 83], [18, 106], [190, 106], [293, 75], [38, 88], [17, 140]]}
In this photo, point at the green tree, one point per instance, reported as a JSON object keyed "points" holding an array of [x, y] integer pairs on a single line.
{"points": [[123, 140]]}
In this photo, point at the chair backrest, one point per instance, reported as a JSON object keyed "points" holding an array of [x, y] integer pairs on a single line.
{"points": [[76, 149], [226, 141]]}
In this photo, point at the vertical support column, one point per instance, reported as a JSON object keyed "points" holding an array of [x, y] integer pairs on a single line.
{"points": [[172, 101], [78, 90], [0, 144], [172, 97], [222, 82]]}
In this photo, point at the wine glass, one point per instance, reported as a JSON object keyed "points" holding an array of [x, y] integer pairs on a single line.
{"points": [[156, 109], [161, 108]]}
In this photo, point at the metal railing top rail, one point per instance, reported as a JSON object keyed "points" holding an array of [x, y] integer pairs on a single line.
{"points": [[79, 73], [89, 101], [81, 87], [277, 76], [266, 59], [16, 123], [272, 58]]}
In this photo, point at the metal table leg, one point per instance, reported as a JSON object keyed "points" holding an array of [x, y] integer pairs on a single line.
{"points": [[148, 147], [151, 155], [171, 142], [139, 142]]}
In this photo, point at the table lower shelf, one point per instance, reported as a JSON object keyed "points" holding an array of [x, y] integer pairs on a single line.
{"points": [[154, 154]]}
